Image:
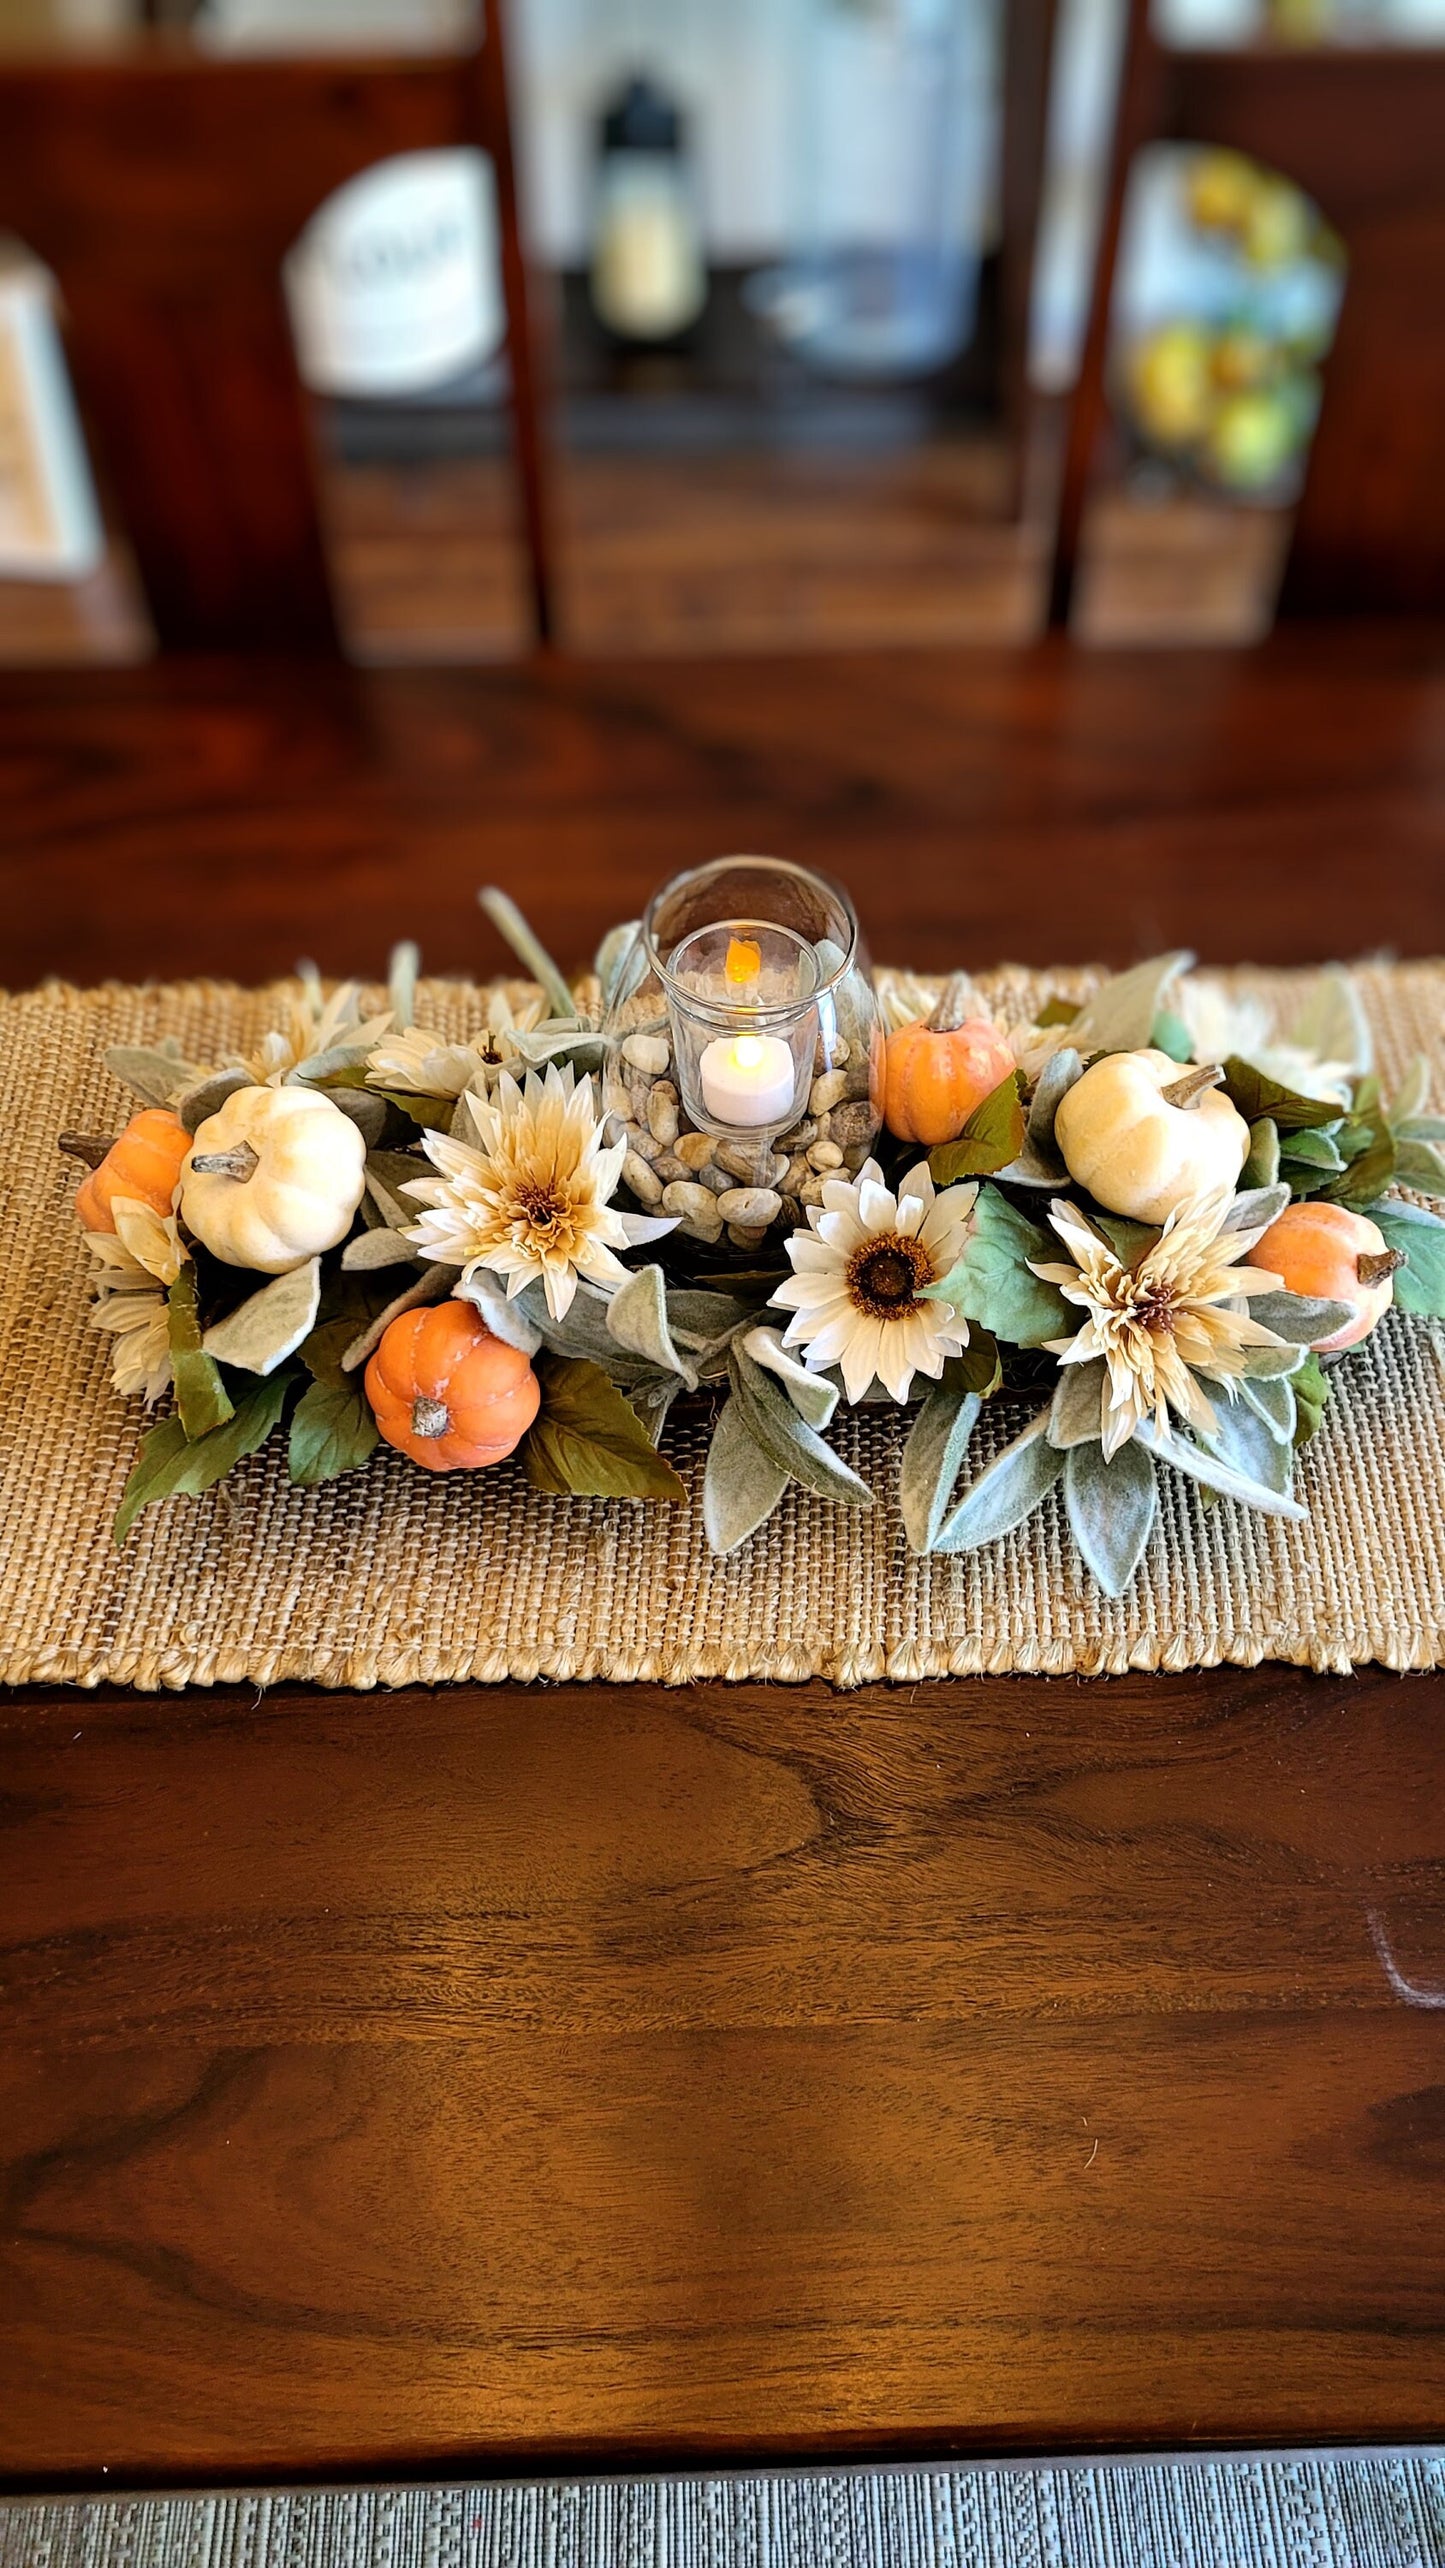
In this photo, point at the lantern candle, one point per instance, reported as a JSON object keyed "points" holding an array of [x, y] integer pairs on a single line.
{"points": [[748, 1079]]}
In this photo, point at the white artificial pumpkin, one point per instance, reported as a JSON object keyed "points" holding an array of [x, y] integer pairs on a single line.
{"points": [[1138, 1152], [273, 1178]]}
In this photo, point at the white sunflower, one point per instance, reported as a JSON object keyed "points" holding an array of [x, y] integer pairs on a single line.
{"points": [[421, 1063], [860, 1272], [139, 1259], [315, 1024], [1162, 1320], [534, 1198]]}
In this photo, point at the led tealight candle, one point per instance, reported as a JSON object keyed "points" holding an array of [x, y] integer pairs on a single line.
{"points": [[748, 1080]]}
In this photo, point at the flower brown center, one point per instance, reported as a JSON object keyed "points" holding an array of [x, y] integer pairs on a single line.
{"points": [[540, 1207], [887, 1275]]}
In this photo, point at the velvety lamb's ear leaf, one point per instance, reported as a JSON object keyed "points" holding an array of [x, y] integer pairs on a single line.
{"points": [[1368, 1170], [1273, 1402], [434, 1284], [1057, 1011], [156, 1073], [373, 1248], [262, 1331], [1076, 1414], [992, 1284], [1111, 1509], [1299, 1318], [1271, 1363], [1005, 1492], [1254, 1209], [1261, 1168], [202, 1400], [637, 1320], [1215, 1473], [794, 1446], [703, 1323], [1314, 1150], [209, 1094], [1128, 1240], [993, 1135], [387, 1172], [586, 1441], [1055, 1080], [652, 1398], [506, 1320], [332, 1431], [171, 1467], [612, 955], [1120, 1016], [812, 1395], [1413, 1094], [1421, 1164], [1249, 1444], [1420, 1238], [933, 1458], [741, 1484], [401, 984], [1332, 1023], [1311, 1388], [1253, 1093], [509, 923]]}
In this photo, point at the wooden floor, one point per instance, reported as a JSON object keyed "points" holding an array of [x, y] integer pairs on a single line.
{"points": [[689, 555]]}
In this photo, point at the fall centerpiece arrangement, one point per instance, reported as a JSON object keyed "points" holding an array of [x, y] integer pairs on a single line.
{"points": [[731, 1166]]}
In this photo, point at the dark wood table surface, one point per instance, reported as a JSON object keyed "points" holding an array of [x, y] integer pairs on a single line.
{"points": [[602, 2075]]}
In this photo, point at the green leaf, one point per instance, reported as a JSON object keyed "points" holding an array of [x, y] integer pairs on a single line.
{"points": [[1333, 1024], [933, 1458], [373, 1248], [588, 1442], [993, 1135], [813, 1396], [432, 1114], [1076, 1413], [794, 1446], [992, 1284], [1005, 1492], [1272, 1399], [202, 1401], [1128, 1240], [1057, 1011], [504, 1315], [1111, 1508], [1316, 1148], [332, 1431], [263, 1330], [636, 1319], [509, 923], [1250, 1444], [741, 1484], [1370, 1170], [1311, 1388], [1255, 1094], [156, 1073], [1261, 1168], [1299, 1318], [170, 1466], [209, 1094], [1420, 1236], [1411, 1098], [1199, 1464], [1121, 1014], [1172, 1035], [1421, 1164]]}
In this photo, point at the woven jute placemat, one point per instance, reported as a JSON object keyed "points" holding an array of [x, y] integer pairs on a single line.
{"points": [[388, 1577]]}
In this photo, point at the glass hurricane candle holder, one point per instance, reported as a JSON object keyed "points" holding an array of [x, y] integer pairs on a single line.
{"points": [[745, 1061]]}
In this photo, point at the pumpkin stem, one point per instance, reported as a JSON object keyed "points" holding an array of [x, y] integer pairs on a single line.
{"points": [[89, 1146], [429, 1417], [1373, 1265], [955, 1005], [240, 1163], [1195, 1084]]}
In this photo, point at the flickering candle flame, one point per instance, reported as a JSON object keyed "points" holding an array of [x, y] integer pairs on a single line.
{"points": [[744, 962]]}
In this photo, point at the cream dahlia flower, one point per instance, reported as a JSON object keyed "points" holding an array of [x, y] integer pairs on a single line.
{"points": [[314, 1024], [1162, 1320], [860, 1272], [534, 1198], [139, 1259], [424, 1064]]}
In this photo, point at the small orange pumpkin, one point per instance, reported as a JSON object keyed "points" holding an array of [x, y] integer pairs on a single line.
{"points": [[1330, 1254], [448, 1394], [935, 1076], [145, 1164]]}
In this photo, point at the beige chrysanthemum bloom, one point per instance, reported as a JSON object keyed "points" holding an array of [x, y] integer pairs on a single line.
{"points": [[314, 1024], [139, 1259], [421, 1063], [860, 1272], [1164, 1319], [534, 1199]]}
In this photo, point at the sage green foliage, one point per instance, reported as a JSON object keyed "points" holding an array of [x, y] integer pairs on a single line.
{"points": [[741, 1483], [1262, 1166], [270, 1325], [933, 1458], [1420, 1236], [587, 1441], [1311, 1388], [1005, 1492], [1111, 1508], [202, 1400], [992, 1284], [171, 1466], [993, 1135], [332, 1431], [774, 1423]]}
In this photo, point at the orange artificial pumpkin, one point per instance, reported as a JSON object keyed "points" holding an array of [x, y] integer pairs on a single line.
{"points": [[447, 1393], [145, 1164], [1330, 1254], [935, 1077]]}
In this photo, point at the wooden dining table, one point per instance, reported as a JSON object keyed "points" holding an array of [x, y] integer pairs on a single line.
{"points": [[503, 2080]]}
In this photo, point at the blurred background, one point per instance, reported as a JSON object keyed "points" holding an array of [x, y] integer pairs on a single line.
{"points": [[668, 326]]}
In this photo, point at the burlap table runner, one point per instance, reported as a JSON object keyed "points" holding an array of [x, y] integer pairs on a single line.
{"points": [[388, 1577]]}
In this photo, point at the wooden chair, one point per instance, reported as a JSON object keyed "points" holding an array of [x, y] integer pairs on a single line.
{"points": [[164, 187], [1362, 131]]}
